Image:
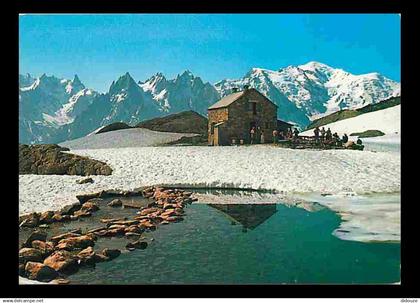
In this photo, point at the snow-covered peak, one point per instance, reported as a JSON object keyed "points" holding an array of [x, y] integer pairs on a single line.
{"points": [[314, 88], [315, 66]]}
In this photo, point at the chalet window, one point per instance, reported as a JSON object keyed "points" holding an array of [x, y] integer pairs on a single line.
{"points": [[253, 107]]}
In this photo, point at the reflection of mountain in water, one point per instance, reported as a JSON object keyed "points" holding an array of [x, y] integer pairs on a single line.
{"points": [[248, 215]]}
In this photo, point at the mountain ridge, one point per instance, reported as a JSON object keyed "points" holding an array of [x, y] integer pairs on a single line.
{"points": [[53, 110]]}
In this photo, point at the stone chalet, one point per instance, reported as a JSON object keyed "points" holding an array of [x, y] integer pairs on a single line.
{"points": [[233, 116]]}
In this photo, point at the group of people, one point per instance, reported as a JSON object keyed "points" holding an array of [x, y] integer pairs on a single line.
{"points": [[327, 137], [289, 134], [285, 135]]}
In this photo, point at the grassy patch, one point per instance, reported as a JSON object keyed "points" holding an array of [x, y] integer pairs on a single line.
{"points": [[368, 133]]}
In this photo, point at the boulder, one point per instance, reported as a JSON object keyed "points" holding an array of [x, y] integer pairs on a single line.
{"points": [[133, 229], [35, 235], [84, 181], [111, 253], [39, 271], [57, 238], [125, 222], [173, 219], [30, 254], [30, 220], [82, 213], [70, 209], [45, 247], [75, 243], [148, 211], [60, 281], [46, 217], [103, 220], [147, 225], [136, 245], [61, 261], [49, 159], [90, 206], [101, 258], [87, 256], [115, 203]]}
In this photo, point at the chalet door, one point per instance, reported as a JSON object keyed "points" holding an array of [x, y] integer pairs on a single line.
{"points": [[216, 136]]}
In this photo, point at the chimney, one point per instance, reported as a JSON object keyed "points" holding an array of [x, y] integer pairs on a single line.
{"points": [[234, 89], [246, 87]]}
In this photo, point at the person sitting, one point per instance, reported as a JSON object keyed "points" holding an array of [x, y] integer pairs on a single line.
{"points": [[345, 139], [336, 139], [359, 142]]}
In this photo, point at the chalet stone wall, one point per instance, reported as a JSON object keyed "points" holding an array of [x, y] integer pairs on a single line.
{"points": [[216, 116], [239, 115]]}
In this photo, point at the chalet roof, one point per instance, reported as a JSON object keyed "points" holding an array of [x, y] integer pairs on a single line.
{"points": [[229, 99]]}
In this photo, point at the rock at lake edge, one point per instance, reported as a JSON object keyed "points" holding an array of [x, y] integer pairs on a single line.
{"points": [[39, 271], [84, 181], [49, 159]]}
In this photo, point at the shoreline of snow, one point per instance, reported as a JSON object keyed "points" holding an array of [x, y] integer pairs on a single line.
{"points": [[286, 171]]}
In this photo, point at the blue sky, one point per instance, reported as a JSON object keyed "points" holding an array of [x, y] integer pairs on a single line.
{"points": [[100, 48]]}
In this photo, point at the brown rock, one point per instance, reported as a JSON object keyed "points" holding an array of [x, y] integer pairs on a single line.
{"points": [[60, 281], [35, 235], [147, 225], [136, 245], [75, 243], [111, 253], [70, 209], [95, 230], [46, 217], [87, 256], [56, 239], [40, 272], [47, 159], [133, 229], [61, 261], [30, 220], [103, 220], [90, 206], [115, 203], [147, 211], [82, 213], [45, 247], [169, 212], [84, 181], [125, 222], [30, 254], [174, 219]]}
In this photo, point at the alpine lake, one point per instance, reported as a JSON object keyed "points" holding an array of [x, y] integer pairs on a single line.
{"points": [[251, 243]]}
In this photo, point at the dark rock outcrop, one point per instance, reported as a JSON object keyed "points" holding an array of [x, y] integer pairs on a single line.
{"points": [[49, 159], [183, 122]]}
